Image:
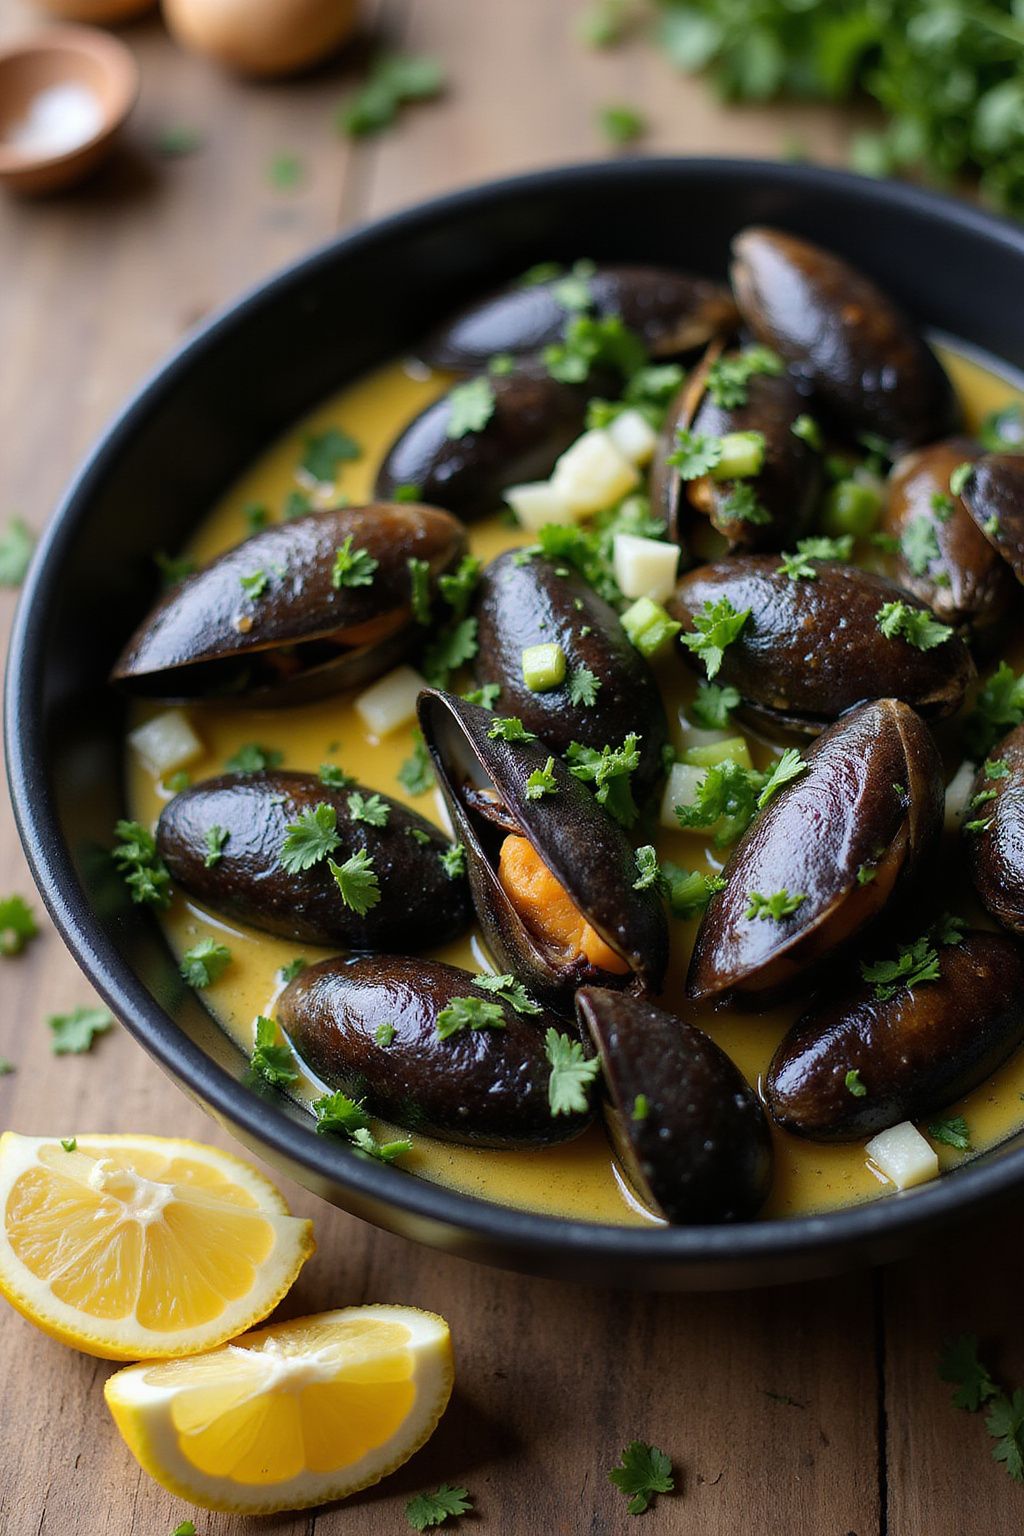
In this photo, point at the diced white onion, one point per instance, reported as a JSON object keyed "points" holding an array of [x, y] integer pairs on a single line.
{"points": [[633, 436], [903, 1155], [538, 503], [593, 474], [391, 701], [958, 792], [680, 789], [645, 567], [167, 742]]}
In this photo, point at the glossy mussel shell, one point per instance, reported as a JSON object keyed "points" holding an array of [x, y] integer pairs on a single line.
{"points": [[846, 835], [487, 1087], [535, 418], [672, 312], [994, 496], [964, 580], [914, 1053], [995, 852], [418, 904], [518, 605], [586, 852], [787, 486], [689, 1130], [811, 650], [301, 637], [865, 361]]}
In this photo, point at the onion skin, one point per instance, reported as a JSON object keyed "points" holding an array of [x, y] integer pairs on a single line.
{"points": [[262, 37]]}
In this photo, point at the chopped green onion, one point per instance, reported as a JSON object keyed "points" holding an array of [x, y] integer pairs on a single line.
{"points": [[543, 667]]}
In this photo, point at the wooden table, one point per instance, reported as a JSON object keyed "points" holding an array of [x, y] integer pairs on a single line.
{"points": [[813, 1411]]}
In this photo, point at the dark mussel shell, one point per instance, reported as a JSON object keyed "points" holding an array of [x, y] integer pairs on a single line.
{"points": [[943, 558], [672, 312], [486, 1087], [300, 637], [865, 361], [787, 487], [812, 649], [535, 418], [994, 496], [689, 1130], [995, 848], [913, 1052], [521, 604], [484, 783], [418, 902], [846, 836]]}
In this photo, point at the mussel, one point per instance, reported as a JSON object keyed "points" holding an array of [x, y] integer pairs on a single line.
{"points": [[524, 603], [866, 363], [553, 879], [223, 841], [688, 1129], [297, 611], [812, 648], [785, 489], [672, 312], [839, 842], [371, 1028], [533, 421], [879, 1054], [995, 832], [994, 496], [943, 558]]}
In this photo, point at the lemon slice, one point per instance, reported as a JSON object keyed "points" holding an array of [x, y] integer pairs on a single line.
{"points": [[291, 1415], [135, 1246]]}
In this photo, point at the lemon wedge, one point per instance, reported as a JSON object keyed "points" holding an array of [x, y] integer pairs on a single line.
{"points": [[291, 1415], [132, 1247]]}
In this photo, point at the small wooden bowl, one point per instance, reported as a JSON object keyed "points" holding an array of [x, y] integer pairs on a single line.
{"points": [[61, 56]]}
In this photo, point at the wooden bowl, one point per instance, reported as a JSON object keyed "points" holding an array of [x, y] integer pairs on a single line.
{"points": [[58, 56]]}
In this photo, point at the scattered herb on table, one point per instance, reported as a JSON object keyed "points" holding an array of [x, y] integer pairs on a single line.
{"points": [[177, 140], [643, 1472], [429, 1509], [621, 124], [960, 1365], [285, 172], [6, 1067], [395, 81], [16, 545], [72, 1034], [17, 925]]}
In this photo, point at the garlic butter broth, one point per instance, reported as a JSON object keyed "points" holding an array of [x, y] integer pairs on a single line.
{"points": [[579, 1179]]}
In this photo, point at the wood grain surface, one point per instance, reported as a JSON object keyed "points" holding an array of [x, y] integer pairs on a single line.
{"points": [[806, 1411]]}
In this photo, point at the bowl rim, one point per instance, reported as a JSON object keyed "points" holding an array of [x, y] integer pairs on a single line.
{"points": [[114, 57], [872, 1223]]}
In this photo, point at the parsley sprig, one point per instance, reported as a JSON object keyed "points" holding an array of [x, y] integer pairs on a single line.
{"points": [[357, 882], [270, 1059], [643, 1472], [960, 1364], [71, 1034], [609, 773], [312, 836], [470, 407], [429, 1509], [204, 962], [917, 626], [571, 1074], [142, 869], [17, 925], [715, 628]]}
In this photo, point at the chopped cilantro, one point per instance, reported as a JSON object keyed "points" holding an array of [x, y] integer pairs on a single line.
{"points": [[173, 568], [416, 775], [174, 141], [256, 516], [457, 587], [695, 454], [296, 504], [419, 589], [17, 925], [853, 1084], [1003, 430], [357, 881], [254, 584], [648, 870], [728, 378], [332, 776], [454, 645], [325, 451], [509, 728], [775, 907], [16, 545], [953, 1132], [998, 707], [214, 841], [271, 1060], [371, 809], [917, 626], [727, 794], [609, 773], [338, 1115], [920, 545], [403, 494], [510, 991], [204, 962], [141, 867], [572, 291], [783, 771], [453, 861], [714, 629], [396, 80], [71, 1034], [583, 686], [641, 1108], [591, 341], [742, 505], [711, 705], [644, 1471], [959, 478], [959, 1364], [541, 782], [252, 757], [468, 1012], [185, 1528], [915, 963], [942, 505], [486, 696], [6, 1067], [688, 891], [471, 406], [353, 567], [288, 973], [808, 430], [430, 1509], [571, 1074], [309, 838], [384, 1033], [285, 172]]}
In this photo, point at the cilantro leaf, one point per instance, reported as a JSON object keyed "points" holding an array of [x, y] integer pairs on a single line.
{"points": [[453, 646], [325, 451], [6, 1067], [998, 707], [920, 544], [648, 870], [959, 1364], [727, 794], [728, 377], [396, 80], [609, 773], [353, 567], [541, 782], [1005, 1423], [374, 810], [510, 990], [591, 341], [917, 626], [853, 1084], [254, 584], [310, 838], [16, 545], [252, 757], [185, 1528], [429, 1509], [712, 704], [468, 1012], [715, 628], [743, 505], [471, 406], [270, 1059], [173, 568], [783, 771], [214, 841], [457, 587], [142, 869], [453, 861], [416, 775], [643, 1472], [338, 1115], [509, 728], [285, 172], [384, 1033], [381, 1151], [289, 972], [204, 962], [332, 776], [695, 454], [915, 963], [419, 589], [688, 891], [486, 696], [775, 907], [622, 124], [583, 686], [953, 1132], [571, 1074], [357, 881], [73, 1033], [17, 925]]}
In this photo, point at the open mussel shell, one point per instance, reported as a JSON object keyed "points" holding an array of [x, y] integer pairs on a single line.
{"points": [[865, 361], [487, 1087], [265, 624], [994, 496], [787, 487], [519, 604], [912, 1053], [944, 559], [535, 418], [995, 841], [811, 650], [845, 837], [689, 1131], [577, 917], [672, 312], [243, 877]]}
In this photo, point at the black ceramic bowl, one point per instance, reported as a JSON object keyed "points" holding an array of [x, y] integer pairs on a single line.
{"points": [[208, 413]]}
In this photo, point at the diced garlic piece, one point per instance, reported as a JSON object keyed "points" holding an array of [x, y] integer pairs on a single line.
{"points": [[538, 503], [167, 742], [593, 474], [681, 789], [391, 701], [903, 1155], [645, 567], [633, 436], [958, 792]]}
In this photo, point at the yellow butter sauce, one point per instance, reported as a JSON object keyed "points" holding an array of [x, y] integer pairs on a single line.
{"points": [[578, 1180]]}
